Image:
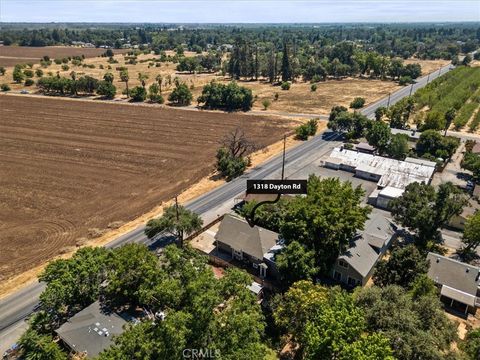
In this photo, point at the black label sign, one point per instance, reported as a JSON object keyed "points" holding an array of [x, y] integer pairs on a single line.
{"points": [[276, 186]]}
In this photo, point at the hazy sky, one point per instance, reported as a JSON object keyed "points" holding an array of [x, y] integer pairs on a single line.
{"points": [[198, 11]]}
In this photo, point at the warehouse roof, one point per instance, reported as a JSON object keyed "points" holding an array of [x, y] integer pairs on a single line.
{"points": [[421, 162], [391, 192], [394, 173]]}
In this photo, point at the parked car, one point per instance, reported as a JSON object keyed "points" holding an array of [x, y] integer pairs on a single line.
{"points": [[24, 92]]}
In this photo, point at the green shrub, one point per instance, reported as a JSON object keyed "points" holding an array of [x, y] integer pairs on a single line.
{"points": [[285, 85], [266, 104], [475, 122], [357, 103], [29, 82], [39, 72], [107, 89], [138, 93], [28, 73], [303, 131], [5, 87], [405, 80], [229, 166], [181, 95], [313, 87]]}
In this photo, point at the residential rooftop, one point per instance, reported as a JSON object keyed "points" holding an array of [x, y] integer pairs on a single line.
{"points": [[361, 254], [453, 273], [90, 331], [239, 235]]}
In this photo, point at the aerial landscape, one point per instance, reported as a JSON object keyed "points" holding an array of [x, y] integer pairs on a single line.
{"points": [[196, 180]]}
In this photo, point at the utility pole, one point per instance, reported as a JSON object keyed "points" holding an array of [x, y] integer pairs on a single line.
{"points": [[388, 102], [428, 78], [283, 158], [411, 89]]}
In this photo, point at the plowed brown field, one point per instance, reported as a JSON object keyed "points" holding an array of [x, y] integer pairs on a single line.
{"points": [[67, 167], [12, 55]]}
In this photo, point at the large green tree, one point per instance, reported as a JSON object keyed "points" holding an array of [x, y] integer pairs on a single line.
{"points": [[72, 284], [398, 147], [416, 327], [402, 267], [128, 268], [176, 220], [471, 234], [286, 68], [326, 219], [325, 323], [471, 344], [379, 136], [295, 263], [35, 346], [200, 312], [471, 162], [432, 143], [424, 210], [181, 95]]}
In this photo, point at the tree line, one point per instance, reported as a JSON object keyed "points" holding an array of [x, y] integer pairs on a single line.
{"points": [[431, 41], [249, 60]]}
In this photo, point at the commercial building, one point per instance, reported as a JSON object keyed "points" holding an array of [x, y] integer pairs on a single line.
{"points": [[392, 176]]}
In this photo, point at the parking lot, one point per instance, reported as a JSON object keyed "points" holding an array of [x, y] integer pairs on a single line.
{"points": [[316, 167]]}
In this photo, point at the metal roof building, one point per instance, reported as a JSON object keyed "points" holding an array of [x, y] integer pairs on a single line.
{"points": [[391, 175], [391, 172]]}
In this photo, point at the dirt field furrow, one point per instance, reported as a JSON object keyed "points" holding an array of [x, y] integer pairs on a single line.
{"points": [[68, 169]]}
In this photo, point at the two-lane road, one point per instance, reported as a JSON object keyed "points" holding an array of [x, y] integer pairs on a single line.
{"points": [[16, 307]]}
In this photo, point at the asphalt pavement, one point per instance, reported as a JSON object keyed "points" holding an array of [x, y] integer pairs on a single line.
{"points": [[15, 308]]}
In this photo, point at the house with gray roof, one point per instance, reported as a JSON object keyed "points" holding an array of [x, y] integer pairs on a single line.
{"points": [[90, 331], [458, 282], [254, 245], [356, 265]]}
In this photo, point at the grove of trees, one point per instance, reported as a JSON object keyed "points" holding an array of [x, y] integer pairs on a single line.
{"points": [[228, 97]]}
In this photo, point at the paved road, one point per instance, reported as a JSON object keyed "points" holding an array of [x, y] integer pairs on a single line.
{"points": [[15, 308]]}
